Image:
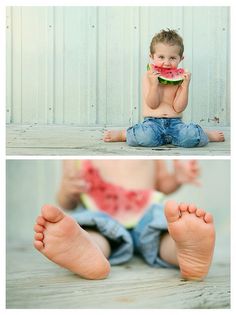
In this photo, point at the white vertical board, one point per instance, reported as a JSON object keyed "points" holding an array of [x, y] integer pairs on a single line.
{"points": [[14, 81], [208, 38], [8, 63], [76, 89], [83, 65], [34, 80], [50, 65]]}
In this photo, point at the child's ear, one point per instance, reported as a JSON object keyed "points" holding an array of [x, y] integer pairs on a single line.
{"points": [[182, 58]]}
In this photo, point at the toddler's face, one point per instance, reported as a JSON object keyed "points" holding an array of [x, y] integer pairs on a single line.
{"points": [[166, 56]]}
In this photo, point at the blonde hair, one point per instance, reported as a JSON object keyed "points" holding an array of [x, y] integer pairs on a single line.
{"points": [[170, 37]]}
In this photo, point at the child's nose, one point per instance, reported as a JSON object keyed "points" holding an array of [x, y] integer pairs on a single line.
{"points": [[167, 62]]}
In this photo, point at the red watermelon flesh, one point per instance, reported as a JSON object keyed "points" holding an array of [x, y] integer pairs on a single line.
{"points": [[169, 75], [125, 205]]}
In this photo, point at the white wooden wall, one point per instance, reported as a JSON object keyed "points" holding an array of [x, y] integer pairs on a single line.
{"points": [[33, 183], [82, 65]]}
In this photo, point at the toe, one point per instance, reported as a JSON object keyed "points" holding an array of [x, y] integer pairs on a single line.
{"points": [[40, 220], [52, 214], [192, 208], [208, 218], [107, 139], [183, 206], [200, 212], [38, 228], [172, 212], [38, 236], [38, 245]]}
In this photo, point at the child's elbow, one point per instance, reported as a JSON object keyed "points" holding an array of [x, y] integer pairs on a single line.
{"points": [[179, 109], [152, 105]]}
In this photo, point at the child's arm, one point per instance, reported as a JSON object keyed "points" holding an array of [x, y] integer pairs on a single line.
{"points": [[185, 172], [151, 92], [72, 185], [181, 97]]}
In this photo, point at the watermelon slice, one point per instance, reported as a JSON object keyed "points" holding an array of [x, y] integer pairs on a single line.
{"points": [[172, 76], [127, 206]]}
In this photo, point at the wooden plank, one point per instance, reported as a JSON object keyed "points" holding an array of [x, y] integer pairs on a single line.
{"points": [[88, 141], [59, 65], [17, 65], [50, 23], [132, 285], [102, 67], [8, 64], [135, 78], [187, 34], [92, 60]]}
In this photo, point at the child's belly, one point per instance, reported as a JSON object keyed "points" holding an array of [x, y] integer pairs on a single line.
{"points": [[163, 110]]}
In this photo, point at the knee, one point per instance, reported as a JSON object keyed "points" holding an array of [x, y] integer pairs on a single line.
{"points": [[142, 136], [192, 136]]}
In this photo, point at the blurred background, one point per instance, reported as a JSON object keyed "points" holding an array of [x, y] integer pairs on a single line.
{"points": [[32, 183]]}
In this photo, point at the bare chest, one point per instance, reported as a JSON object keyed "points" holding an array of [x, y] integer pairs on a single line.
{"points": [[168, 93], [130, 174]]}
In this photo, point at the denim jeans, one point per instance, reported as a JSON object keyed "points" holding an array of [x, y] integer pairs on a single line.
{"points": [[153, 132], [143, 239]]}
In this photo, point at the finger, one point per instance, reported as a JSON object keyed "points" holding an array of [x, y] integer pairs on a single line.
{"points": [[82, 185], [195, 169], [196, 182], [78, 174], [69, 167]]}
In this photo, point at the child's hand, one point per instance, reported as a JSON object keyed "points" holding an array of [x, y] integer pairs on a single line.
{"points": [[153, 76], [187, 77], [73, 185], [187, 172]]}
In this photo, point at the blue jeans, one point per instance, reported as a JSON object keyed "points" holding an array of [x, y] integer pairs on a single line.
{"points": [[143, 239], [154, 132]]}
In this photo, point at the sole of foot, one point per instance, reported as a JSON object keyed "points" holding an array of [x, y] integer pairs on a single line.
{"points": [[60, 238], [193, 231]]}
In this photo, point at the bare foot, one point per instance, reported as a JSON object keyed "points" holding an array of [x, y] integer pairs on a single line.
{"points": [[61, 239], [193, 231], [215, 135], [114, 136]]}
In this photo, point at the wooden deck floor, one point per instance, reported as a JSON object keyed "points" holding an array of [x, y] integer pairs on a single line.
{"points": [[35, 282], [67, 140]]}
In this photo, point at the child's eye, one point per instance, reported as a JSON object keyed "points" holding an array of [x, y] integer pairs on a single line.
{"points": [[172, 58], [161, 57]]}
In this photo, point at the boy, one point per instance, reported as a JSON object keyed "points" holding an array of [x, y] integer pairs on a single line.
{"points": [[163, 105], [178, 235]]}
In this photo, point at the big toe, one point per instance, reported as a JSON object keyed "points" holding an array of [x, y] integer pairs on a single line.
{"points": [[172, 211], [52, 214]]}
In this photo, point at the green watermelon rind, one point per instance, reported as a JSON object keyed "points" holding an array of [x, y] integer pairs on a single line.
{"points": [[170, 81]]}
